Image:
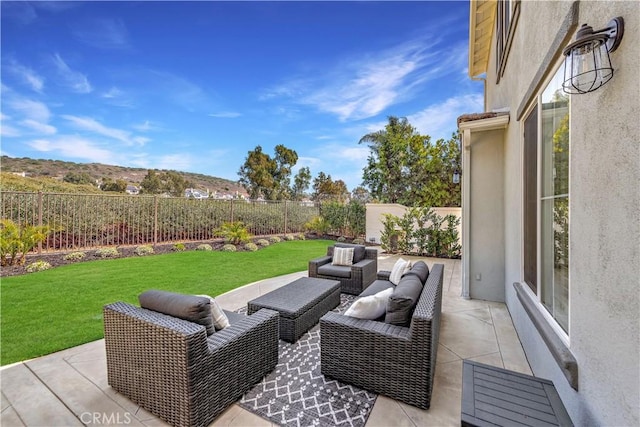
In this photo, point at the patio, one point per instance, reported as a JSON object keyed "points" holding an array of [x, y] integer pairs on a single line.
{"points": [[70, 387]]}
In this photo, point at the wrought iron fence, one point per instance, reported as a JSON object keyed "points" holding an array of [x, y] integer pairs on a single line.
{"points": [[80, 221]]}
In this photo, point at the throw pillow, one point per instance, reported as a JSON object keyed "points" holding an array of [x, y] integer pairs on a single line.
{"points": [[342, 256], [370, 307], [399, 268], [187, 307], [220, 319], [358, 250], [420, 269], [403, 301]]}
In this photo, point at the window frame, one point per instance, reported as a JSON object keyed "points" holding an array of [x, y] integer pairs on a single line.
{"points": [[536, 294], [504, 36]]}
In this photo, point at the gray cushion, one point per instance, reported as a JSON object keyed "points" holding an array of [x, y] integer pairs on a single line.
{"points": [[403, 300], [375, 287], [421, 270], [358, 250], [335, 270], [187, 307]]}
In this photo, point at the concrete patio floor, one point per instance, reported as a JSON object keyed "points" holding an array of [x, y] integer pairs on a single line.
{"points": [[70, 387]]}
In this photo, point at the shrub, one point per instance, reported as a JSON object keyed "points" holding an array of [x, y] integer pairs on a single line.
{"points": [[263, 242], [38, 266], [108, 253], [74, 256], [16, 240], [251, 247], [301, 236], [289, 237], [143, 250], [274, 239], [318, 225], [229, 248], [341, 239], [234, 232], [358, 241], [204, 247], [179, 247]]}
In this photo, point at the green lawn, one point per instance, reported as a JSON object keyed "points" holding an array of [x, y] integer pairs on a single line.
{"points": [[60, 308]]}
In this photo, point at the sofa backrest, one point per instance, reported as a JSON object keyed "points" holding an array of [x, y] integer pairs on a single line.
{"points": [[425, 322]]}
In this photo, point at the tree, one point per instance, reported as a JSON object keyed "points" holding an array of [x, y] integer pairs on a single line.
{"points": [[361, 195], [79, 178], [118, 186], [406, 167], [169, 182], [151, 183], [325, 188], [263, 176], [301, 183]]}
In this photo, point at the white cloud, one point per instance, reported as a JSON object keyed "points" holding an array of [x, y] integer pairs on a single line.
{"points": [[440, 120], [75, 80], [42, 128], [27, 75], [92, 125], [103, 33], [225, 115], [147, 126], [365, 86], [73, 146], [114, 92], [29, 109], [179, 162], [9, 131]]}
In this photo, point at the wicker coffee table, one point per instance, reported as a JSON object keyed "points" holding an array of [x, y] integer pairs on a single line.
{"points": [[300, 303]]}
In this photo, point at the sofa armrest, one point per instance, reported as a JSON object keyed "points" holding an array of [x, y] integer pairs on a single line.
{"points": [[317, 262], [384, 275]]}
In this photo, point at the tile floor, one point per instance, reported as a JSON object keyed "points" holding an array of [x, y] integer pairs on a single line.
{"points": [[70, 387]]}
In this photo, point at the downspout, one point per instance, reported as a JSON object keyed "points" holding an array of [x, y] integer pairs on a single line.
{"points": [[466, 207], [484, 89]]}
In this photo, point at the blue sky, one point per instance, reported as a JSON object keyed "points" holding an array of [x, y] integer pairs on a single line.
{"points": [[194, 86]]}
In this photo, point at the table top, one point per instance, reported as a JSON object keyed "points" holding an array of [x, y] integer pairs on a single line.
{"points": [[296, 297], [496, 396]]}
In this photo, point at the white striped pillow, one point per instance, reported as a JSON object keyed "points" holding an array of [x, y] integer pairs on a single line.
{"points": [[399, 268], [342, 256]]}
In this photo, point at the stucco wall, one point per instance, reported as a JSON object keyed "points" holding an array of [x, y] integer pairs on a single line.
{"points": [[604, 214], [486, 222], [375, 217]]}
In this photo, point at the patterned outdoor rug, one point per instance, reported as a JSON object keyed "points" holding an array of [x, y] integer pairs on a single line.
{"points": [[297, 394]]}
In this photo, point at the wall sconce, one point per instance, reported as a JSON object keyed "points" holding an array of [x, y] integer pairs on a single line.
{"points": [[456, 176], [587, 65]]}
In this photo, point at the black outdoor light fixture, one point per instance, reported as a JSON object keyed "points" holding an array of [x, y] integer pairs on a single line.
{"points": [[456, 176], [587, 65]]}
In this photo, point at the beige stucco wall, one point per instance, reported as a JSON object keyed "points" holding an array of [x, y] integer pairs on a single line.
{"points": [[604, 214], [375, 212], [486, 216]]}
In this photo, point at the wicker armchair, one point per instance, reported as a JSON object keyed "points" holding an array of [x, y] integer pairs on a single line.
{"points": [[396, 361], [353, 279], [171, 368]]}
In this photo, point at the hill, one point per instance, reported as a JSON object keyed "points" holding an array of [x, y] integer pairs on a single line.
{"points": [[55, 170]]}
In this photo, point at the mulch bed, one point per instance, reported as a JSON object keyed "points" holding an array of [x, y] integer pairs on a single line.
{"points": [[56, 259]]}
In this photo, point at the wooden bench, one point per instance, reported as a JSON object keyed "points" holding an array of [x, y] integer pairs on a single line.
{"points": [[494, 396]]}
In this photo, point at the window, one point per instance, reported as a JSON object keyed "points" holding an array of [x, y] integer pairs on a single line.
{"points": [[506, 20], [546, 200]]}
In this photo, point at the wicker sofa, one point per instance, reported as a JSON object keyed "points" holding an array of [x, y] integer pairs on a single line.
{"points": [[176, 370], [396, 361], [353, 279]]}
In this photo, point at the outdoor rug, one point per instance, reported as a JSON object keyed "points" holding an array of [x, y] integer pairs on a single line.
{"points": [[297, 394]]}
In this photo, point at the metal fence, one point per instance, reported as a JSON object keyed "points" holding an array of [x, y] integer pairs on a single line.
{"points": [[80, 221]]}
